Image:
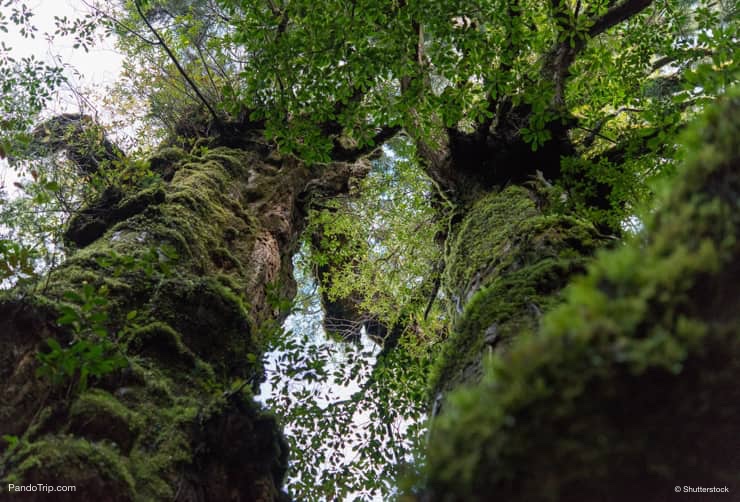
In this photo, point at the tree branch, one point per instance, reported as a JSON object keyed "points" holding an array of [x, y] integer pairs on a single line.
{"points": [[691, 53], [342, 154], [80, 137], [617, 14], [177, 64], [596, 130], [562, 55]]}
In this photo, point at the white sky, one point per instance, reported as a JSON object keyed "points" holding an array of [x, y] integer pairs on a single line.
{"points": [[89, 70]]}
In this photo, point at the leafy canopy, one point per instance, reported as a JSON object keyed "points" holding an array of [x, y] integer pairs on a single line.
{"points": [[320, 79]]}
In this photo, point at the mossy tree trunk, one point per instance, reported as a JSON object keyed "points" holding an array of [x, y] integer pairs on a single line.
{"points": [[507, 255], [178, 421], [627, 389]]}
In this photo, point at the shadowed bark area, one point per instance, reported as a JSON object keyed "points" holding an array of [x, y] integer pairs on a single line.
{"points": [[178, 422], [626, 389]]}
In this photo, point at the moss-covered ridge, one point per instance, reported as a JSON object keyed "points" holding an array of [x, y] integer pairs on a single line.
{"points": [[630, 387], [179, 420], [505, 266]]}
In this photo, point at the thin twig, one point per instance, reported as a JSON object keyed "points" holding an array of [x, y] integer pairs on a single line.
{"points": [[177, 64]]}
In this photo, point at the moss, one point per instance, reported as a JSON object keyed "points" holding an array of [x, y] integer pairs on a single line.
{"points": [[96, 469], [505, 267], [97, 415], [164, 448], [191, 335], [160, 340], [165, 161], [235, 161], [483, 237], [137, 203], [112, 207], [214, 309], [630, 386]]}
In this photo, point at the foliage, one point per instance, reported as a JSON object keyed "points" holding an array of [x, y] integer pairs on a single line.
{"points": [[154, 260], [353, 418], [91, 352], [315, 77], [16, 263], [354, 413], [296, 60], [78, 362], [554, 417], [69, 167], [28, 84], [94, 351], [379, 242]]}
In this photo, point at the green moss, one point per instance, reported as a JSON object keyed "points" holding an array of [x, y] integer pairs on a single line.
{"points": [[165, 161], [160, 340], [96, 469], [235, 161], [630, 386], [164, 448], [191, 334], [218, 327], [483, 237], [505, 267], [97, 415], [138, 202]]}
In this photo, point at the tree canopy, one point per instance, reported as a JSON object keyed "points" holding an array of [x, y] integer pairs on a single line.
{"points": [[442, 170]]}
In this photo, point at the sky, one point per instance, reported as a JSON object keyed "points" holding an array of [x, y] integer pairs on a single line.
{"points": [[93, 69]]}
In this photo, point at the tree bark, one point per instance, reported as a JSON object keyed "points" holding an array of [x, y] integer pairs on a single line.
{"points": [[178, 422], [507, 255], [625, 390]]}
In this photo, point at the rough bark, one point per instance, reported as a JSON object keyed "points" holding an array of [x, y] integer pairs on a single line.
{"points": [[507, 256], [626, 389], [171, 424]]}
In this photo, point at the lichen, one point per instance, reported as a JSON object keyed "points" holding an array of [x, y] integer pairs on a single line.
{"points": [[630, 386]]}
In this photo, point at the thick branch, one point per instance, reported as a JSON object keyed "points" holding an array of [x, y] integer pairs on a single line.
{"points": [[80, 137], [344, 154], [617, 14], [562, 56]]}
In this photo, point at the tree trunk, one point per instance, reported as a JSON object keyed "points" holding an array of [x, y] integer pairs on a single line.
{"points": [[625, 391], [178, 422], [507, 255]]}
